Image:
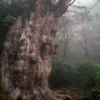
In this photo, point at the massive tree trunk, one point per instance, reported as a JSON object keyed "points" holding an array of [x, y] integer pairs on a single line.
{"points": [[28, 50]]}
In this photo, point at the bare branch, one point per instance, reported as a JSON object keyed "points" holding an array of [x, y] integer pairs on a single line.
{"points": [[79, 13], [94, 5], [84, 7], [71, 2], [63, 6]]}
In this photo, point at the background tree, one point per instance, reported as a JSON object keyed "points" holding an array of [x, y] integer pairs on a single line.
{"points": [[74, 28], [64, 33]]}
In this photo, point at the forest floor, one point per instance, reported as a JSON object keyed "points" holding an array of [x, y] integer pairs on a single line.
{"points": [[74, 93]]}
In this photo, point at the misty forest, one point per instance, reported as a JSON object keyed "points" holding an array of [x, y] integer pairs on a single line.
{"points": [[49, 50]]}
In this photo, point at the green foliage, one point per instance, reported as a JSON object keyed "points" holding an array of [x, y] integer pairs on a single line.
{"points": [[67, 74], [8, 15], [24, 3], [96, 88], [9, 20], [83, 75], [60, 74]]}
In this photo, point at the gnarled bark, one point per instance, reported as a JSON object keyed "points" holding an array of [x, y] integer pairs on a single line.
{"points": [[27, 55]]}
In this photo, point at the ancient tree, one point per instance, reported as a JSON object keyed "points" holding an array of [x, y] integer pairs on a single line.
{"points": [[28, 50]]}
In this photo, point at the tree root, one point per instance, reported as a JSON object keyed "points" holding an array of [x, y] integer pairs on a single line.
{"points": [[61, 97], [46, 94]]}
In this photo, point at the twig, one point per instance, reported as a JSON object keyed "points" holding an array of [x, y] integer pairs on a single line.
{"points": [[84, 7], [72, 1]]}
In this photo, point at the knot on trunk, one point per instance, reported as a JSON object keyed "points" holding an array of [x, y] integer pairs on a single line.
{"points": [[48, 46]]}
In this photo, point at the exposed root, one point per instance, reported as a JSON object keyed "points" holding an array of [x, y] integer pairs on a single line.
{"points": [[43, 94], [61, 97], [47, 94]]}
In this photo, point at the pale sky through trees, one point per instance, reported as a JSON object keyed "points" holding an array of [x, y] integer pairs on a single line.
{"points": [[85, 2], [89, 3], [92, 30]]}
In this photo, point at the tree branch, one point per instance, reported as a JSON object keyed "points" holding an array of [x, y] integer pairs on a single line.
{"points": [[79, 13], [84, 7], [63, 6], [71, 2]]}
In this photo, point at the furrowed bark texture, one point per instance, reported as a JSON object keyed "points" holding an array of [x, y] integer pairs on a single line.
{"points": [[27, 54]]}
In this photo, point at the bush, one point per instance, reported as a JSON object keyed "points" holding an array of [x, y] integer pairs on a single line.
{"points": [[83, 75], [66, 74], [95, 90], [61, 74], [85, 72]]}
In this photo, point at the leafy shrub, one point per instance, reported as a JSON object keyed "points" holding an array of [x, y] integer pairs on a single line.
{"points": [[61, 73], [83, 75], [69, 74], [95, 91], [9, 20], [85, 72]]}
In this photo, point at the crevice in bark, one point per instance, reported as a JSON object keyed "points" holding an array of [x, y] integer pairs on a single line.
{"points": [[19, 98]]}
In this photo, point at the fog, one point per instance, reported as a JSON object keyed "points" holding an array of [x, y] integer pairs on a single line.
{"points": [[83, 31]]}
